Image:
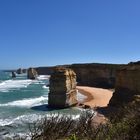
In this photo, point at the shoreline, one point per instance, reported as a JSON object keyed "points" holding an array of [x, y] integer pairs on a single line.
{"points": [[96, 97]]}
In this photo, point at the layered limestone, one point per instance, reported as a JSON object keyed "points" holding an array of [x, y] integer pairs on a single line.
{"points": [[127, 85], [92, 74], [32, 73], [96, 75], [62, 88]]}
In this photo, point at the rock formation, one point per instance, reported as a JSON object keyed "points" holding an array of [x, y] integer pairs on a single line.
{"points": [[93, 74], [127, 85], [32, 74], [13, 75], [19, 71], [62, 88], [96, 75]]}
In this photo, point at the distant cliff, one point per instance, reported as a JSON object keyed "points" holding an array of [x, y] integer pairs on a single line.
{"points": [[44, 70], [97, 75], [92, 74]]}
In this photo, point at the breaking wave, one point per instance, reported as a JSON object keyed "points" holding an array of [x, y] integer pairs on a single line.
{"points": [[27, 102], [14, 84]]}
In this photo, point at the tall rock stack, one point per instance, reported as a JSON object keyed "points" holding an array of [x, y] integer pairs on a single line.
{"points": [[62, 88], [32, 74], [127, 85]]}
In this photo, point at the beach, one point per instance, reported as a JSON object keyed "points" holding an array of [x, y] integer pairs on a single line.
{"points": [[96, 98]]}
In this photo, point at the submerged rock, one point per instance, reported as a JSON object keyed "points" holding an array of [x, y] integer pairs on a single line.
{"points": [[62, 88], [32, 74]]}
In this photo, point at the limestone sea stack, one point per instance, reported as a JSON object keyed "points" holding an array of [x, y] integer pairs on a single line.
{"points": [[127, 85], [62, 88], [32, 73]]}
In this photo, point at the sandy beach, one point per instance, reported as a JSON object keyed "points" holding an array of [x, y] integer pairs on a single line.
{"points": [[96, 97]]}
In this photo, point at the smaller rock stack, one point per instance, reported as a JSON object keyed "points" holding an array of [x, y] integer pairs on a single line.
{"points": [[32, 74], [62, 88], [13, 74], [19, 71]]}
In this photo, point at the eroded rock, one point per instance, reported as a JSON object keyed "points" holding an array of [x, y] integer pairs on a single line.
{"points": [[127, 85], [62, 88], [32, 74]]}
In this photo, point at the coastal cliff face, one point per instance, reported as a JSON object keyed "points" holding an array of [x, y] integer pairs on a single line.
{"points": [[45, 70], [32, 74], [127, 85], [62, 88], [96, 75]]}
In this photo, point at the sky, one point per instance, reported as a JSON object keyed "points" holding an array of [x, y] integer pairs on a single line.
{"points": [[50, 32]]}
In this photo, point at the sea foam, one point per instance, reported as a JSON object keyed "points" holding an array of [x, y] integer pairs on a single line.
{"points": [[27, 102], [14, 84], [43, 77], [81, 97]]}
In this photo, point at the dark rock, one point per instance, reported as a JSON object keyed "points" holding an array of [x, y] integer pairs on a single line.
{"points": [[19, 71], [86, 107], [134, 63], [13, 75]]}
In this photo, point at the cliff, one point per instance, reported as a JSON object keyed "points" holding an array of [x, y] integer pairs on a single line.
{"points": [[45, 70], [96, 75], [62, 88], [93, 74], [127, 85]]}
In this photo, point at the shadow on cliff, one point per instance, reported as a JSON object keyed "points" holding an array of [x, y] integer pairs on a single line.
{"points": [[44, 107]]}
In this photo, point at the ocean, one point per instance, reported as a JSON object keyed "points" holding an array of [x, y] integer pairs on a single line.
{"points": [[23, 101]]}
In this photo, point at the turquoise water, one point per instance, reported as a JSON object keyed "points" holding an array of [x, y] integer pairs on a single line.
{"points": [[23, 101]]}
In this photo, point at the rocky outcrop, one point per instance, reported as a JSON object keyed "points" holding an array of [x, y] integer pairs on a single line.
{"points": [[62, 88], [21, 71], [127, 85], [13, 75], [32, 74]]}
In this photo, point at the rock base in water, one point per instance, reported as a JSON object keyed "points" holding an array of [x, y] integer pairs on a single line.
{"points": [[32, 74]]}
